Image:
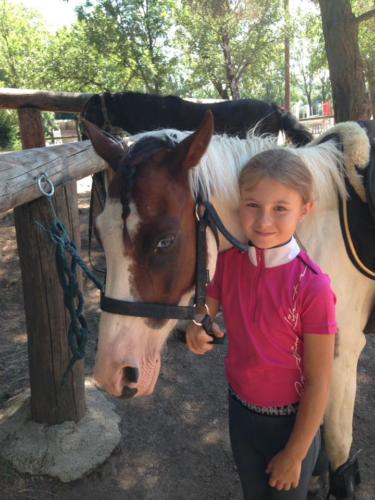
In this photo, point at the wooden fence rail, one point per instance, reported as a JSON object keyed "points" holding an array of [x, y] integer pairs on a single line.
{"points": [[43, 100], [19, 171]]}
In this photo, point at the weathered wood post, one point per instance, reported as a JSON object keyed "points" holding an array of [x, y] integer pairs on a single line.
{"points": [[46, 318]]}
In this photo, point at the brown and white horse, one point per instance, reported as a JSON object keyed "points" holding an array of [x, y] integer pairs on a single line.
{"points": [[148, 230]]}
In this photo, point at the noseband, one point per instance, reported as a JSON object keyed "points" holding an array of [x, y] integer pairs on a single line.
{"points": [[166, 311]]}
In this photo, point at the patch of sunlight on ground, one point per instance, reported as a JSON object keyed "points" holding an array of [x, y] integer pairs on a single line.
{"points": [[84, 185], [20, 338]]}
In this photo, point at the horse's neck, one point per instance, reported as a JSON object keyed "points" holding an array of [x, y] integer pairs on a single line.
{"points": [[229, 215]]}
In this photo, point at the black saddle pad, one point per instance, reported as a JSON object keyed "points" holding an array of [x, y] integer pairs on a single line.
{"points": [[358, 229], [358, 218]]}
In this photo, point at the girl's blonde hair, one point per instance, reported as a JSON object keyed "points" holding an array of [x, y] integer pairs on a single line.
{"points": [[281, 165]]}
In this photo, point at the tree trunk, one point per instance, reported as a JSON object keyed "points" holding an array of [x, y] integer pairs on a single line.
{"points": [[370, 76], [350, 99], [287, 57], [230, 72]]}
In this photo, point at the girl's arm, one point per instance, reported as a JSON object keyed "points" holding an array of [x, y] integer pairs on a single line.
{"points": [[285, 467], [197, 339]]}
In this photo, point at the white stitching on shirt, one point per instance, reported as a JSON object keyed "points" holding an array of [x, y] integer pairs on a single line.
{"points": [[292, 318], [293, 315], [298, 384]]}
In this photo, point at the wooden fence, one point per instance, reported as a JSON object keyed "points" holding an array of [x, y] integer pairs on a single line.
{"points": [[46, 318], [318, 124]]}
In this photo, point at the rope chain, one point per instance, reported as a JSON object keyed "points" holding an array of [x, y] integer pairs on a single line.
{"points": [[67, 274]]}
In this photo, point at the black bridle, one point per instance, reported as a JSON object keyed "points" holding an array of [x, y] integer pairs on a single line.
{"points": [[210, 218]]}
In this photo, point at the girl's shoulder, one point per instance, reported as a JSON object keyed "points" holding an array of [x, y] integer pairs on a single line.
{"points": [[306, 261], [314, 278]]}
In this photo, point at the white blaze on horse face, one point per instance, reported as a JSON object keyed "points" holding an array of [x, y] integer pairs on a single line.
{"points": [[126, 341], [110, 226], [123, 340], [132, 221]]}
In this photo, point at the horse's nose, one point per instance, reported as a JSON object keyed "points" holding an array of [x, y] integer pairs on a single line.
{"points": [[131, 374], [128, 392]]}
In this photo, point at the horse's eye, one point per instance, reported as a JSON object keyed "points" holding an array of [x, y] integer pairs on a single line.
{"points": [[164, 243]]}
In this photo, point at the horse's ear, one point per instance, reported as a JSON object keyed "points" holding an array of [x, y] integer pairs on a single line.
{"points": [[190, 150], [111, 150]]}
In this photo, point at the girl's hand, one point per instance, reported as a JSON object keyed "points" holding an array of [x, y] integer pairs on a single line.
{"points": [[197, 339], [284, 471]]}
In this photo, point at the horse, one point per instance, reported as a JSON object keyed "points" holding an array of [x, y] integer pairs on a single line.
{"points": [[136, 112], [161, 181]]}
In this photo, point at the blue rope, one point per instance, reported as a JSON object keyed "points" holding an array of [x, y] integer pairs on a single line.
{"points": [[73, 297], [60, 237]]}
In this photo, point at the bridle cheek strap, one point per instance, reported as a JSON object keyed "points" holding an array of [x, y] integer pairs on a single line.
{"points": [[169, 311]]}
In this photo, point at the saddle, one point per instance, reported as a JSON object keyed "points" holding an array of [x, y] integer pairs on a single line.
{"points": [[357, 218]]}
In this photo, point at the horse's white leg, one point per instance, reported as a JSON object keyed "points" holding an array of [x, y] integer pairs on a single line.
{"points": [[338, 420], [355, 299], [353, 308]]}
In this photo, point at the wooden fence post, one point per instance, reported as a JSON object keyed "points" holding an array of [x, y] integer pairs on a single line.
{"points": [[46, 318]]}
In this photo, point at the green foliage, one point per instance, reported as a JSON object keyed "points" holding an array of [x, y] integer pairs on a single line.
{"points": [[195, 48], [73, 64], [229, 45], [310, 75], [9, 132], [135, 38], [367, 44], [49, 125], [23, 40]]}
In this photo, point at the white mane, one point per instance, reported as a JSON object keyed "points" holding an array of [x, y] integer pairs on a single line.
{"points": [[217, 172]]}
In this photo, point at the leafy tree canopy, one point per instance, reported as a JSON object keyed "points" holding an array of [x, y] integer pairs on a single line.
{"points": [[23, 42]]}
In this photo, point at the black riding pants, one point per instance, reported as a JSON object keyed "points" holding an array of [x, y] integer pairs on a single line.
{"points": [[255, 440]]}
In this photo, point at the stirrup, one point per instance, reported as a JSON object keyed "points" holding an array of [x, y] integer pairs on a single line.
{"points": [[344, 480]]}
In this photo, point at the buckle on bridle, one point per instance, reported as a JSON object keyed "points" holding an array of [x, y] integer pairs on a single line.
{"points": [[206, 322], [200, 323]]}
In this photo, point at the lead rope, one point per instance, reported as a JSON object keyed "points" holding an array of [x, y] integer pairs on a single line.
{"points": [[73, 297]]}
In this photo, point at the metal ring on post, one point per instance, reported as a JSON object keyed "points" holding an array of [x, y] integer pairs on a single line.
{"points": [[43, 179]]}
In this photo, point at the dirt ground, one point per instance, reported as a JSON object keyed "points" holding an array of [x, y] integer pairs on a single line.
{"points": [[174, 443]]}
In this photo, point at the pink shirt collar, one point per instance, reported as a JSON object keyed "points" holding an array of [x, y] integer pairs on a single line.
{"points": [[277, 256]]}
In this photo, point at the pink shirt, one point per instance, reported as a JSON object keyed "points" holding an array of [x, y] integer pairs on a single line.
{"points": [[270, 299]]}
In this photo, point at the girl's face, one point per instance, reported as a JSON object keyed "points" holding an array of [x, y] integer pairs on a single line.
{"points": [[270, 212]]}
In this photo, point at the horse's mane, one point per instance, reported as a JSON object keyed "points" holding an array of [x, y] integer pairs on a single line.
{"points": [[218, 170]]}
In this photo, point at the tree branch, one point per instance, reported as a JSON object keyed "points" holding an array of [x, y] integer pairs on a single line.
{"points": [[365, 16]]}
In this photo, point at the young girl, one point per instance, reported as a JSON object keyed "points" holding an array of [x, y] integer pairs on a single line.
{"points": [[279, 312]]}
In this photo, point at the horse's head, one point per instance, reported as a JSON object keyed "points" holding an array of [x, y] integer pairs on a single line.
{"points": [[148, 231]]}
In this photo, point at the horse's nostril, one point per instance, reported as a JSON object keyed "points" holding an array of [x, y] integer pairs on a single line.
{"points": [[131, 374], [128, 392]]}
